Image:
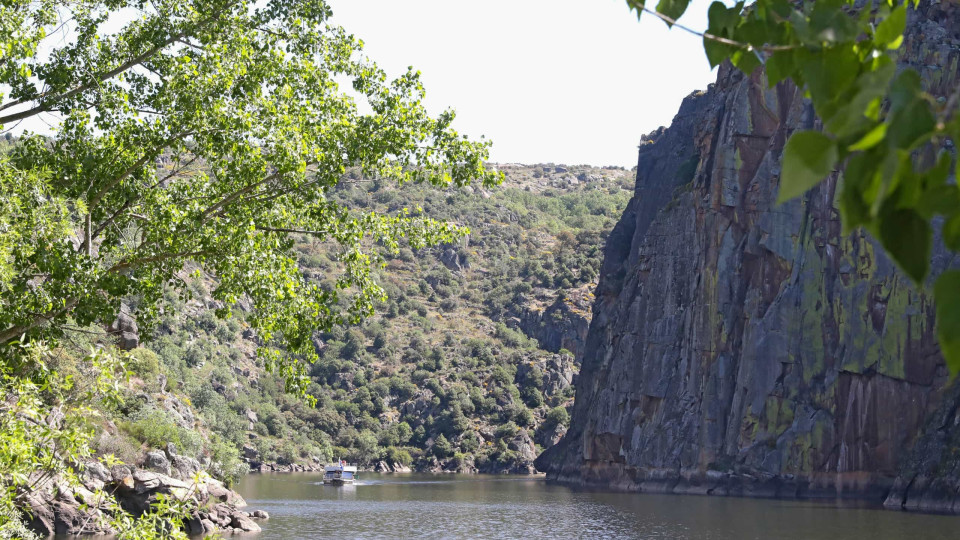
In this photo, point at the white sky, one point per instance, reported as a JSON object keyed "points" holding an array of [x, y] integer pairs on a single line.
{"points": [[563, 81]]}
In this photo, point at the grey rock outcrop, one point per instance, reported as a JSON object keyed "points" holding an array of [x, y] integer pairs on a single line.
{"points": [[125, 328], [58, 508], [744, 348], [559, 326], [157, 461]]}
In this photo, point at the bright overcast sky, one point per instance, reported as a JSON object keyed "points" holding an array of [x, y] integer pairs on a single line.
{"points": [[563, 81]]}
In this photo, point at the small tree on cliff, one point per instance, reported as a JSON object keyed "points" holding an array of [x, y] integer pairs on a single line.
{"points": [[203, 132], [882, 133]]}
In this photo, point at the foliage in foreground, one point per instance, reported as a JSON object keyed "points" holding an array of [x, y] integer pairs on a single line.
{"points": [[248, 90], [48, 416], [886, 138]]}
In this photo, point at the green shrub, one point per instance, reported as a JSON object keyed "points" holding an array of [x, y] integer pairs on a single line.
{"points": [[144, 363], [117, 445], [500, 376], [156, 428], [532, 397], [226, 463], [508, 430], [558, 416], [398, 456], [470, 442], [442, 447], [286, 452], [523, 417], [12, 523]]}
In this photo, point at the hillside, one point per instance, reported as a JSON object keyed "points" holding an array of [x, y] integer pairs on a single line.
{"points": [[467, 366]]}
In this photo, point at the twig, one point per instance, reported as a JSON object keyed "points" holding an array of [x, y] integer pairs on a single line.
{"points": [[713, 37]]}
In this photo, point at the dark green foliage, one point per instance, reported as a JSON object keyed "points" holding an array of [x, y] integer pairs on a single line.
{"points": [[558, 416], [442, 447]]}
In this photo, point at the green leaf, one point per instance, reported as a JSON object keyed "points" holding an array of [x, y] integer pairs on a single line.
{"points": [[904, 90], [890, 31], [951, 233], [722, 20], [944, 199], [940, 172], [780, 66], [757, 32], [888, 168], [636, 6], [854, 115], [829, 73], [716, 52], [746, 60], [808, 158], [856, 176], [672, 8], [947, 295], [874, 137], [912, 125], [908, 238]]}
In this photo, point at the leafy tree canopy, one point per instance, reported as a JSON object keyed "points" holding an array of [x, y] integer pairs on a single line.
{"points": [[879, 127], [205, 132]]}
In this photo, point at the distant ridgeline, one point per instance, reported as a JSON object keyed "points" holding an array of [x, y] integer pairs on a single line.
{"points": [[467, 366], [740, 347]]}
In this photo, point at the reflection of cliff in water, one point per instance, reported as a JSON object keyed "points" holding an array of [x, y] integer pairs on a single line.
{"points": [[484, 506]]}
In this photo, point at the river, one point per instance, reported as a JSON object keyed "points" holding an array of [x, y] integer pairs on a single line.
{"points": [[463, 506]]}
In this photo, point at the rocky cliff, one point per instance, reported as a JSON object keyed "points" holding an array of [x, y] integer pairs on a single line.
{"points": [[561, 325], [739, 347]]}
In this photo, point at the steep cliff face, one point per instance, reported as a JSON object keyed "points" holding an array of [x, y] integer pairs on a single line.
{"points": [[740, 347]]}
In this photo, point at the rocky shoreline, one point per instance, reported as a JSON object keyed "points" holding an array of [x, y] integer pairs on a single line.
{"points": [[58, 508], [433, 465]]}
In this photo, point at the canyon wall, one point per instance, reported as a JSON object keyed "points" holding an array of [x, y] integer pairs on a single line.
{"points": [[744, 348]]}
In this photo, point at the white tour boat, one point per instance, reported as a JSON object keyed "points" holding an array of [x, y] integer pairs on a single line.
{"points": [[339, 474]]}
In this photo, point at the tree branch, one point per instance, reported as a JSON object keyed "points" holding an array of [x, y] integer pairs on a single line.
{"points": [[16, 331], [237, 194], [712, 37], [133, 168], [295, 231], [47, 101], [127, 265]]}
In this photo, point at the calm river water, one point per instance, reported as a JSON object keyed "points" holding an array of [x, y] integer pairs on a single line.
{"points": [[445, 506]]}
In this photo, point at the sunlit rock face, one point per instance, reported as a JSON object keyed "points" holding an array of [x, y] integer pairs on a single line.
{"points": [[744, 348]]}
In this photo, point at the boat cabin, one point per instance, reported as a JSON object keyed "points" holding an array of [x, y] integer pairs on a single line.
{"points": [[339, 474]]}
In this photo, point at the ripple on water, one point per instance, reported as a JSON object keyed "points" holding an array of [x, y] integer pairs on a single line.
{"points": [[426, 506]]}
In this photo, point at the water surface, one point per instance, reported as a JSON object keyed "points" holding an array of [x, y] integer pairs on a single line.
{"points": [[449, 506]]}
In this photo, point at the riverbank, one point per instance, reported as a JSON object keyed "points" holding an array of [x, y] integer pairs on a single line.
{"points": [[382, 466]]}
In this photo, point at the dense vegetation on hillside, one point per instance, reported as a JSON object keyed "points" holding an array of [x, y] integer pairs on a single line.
{"points": [[441, 379]]}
